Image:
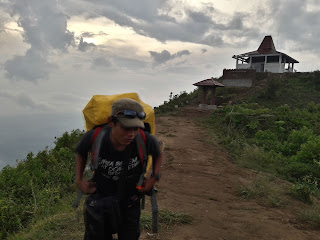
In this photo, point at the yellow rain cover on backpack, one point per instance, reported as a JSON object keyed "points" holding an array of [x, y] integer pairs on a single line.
{"points": [[98, 109]]}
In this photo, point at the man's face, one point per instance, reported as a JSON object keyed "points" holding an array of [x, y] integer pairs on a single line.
{"points": [[123, 135]]}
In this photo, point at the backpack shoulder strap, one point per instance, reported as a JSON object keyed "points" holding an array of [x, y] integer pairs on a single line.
{"points": [[96, 140], [141, 147]]}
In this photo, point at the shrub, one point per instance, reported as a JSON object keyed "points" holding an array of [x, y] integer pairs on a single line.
{"points": [[295, 139], [35, 186], [304, 189], [309, 153], [267, 139]]}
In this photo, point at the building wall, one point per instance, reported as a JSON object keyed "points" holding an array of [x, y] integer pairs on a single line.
{"points": [[274, 68], [238, 77]]}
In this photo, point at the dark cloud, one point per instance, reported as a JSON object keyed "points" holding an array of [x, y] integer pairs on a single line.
{"points": [[31, 67], [83, 46], [44, 24], [165, 55], [203, 50], [162, 21], [236, 22], [44, 28], [91, 35], [199, 17], [133, 9], [295, 25], [101, 62], [88, 35], [213, 40], [24, 101]]}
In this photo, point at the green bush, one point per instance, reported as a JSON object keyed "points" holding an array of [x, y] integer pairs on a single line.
{"points": [[305, 189], [309, 153], [35, 186], [285, 133], [295, 139], [267, 139]]}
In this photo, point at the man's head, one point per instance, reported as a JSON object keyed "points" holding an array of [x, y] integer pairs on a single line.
{"points": [[128, 112], [127, 116]]}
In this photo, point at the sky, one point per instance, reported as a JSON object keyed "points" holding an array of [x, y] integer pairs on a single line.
{"points": [[56, 54]]}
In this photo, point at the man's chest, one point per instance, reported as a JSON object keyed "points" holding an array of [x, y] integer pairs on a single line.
{"points": [[111, 165]]}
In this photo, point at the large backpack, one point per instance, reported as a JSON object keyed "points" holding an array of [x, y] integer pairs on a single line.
{"points": [[99, 107]]}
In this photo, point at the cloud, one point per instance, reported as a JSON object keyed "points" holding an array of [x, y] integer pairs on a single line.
{"points": [[83, 46], [44, 24], [213, 40], [165, 55], [101, 62], [203, 50], [171, 20], [24, 101], [44, 28], [31, 67], [299, 33], [90, 34]]}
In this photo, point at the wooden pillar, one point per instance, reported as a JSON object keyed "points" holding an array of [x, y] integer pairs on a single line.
{"points": [[213, 96], [204, 95]]}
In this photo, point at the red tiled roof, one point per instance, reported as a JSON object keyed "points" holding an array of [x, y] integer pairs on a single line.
{"points": [[209, 82], [267, 46]]}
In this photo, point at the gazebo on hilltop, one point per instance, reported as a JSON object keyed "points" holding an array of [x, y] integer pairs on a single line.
{"points": [[207, 85]]}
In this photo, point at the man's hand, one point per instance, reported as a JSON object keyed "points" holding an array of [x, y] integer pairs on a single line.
{"points": [[147, 185], [87, 187]]}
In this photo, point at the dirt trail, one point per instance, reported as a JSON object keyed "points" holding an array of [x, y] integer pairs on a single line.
{"points": [[200, 179]]}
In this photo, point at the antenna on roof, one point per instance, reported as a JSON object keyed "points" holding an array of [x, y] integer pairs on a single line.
{"points": [[278, 39]]}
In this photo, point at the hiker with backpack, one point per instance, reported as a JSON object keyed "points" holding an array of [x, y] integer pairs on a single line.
{"points": [[120, 150]]}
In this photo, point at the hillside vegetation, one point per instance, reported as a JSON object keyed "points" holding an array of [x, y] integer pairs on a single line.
{"points": [[273, 126], [38, 185]]}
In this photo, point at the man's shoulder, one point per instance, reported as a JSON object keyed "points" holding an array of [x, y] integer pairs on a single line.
{"points": [[151, 139], [92, 134], [147, 135]]}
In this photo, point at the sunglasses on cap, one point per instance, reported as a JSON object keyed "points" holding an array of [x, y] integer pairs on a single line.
{"points": [[132, 114]]}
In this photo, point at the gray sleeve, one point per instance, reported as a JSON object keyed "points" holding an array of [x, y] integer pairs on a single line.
{"points": [[153, 146], [83, 146]]}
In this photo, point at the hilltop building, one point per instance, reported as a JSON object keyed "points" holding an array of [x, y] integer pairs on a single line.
{"points": [[266, 59]]}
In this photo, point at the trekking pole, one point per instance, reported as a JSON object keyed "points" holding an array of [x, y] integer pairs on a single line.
{"points": [[154, 206], [143, 201], [139, 186]]}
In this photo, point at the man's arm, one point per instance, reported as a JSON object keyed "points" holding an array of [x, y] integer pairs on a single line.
{"points": [[149, 182], [86, 187], [157, 165], [154, 150]]}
